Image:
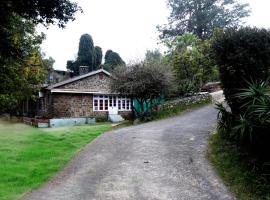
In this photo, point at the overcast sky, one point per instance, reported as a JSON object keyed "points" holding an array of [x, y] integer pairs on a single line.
{"points": [[125, 26]]}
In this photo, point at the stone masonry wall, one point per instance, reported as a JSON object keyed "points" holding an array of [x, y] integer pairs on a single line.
{"points": [[97, 83], [72, 105]]}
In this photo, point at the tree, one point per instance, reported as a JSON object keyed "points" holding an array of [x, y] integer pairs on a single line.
{"points": [[86, 55], [153, 56], [201, 17], [99, 56], [21, 67], [192, 63], [48, 63], [37, 11], [143, 81], [242, 55], [19, 77], [112, 60]]}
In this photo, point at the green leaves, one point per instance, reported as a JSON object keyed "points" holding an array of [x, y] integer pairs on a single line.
{"points": [[192, 63], [202, 17], [254, 120], [241, 54]]}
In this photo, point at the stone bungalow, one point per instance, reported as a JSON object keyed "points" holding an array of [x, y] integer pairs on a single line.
{"points": [[87, 95]]}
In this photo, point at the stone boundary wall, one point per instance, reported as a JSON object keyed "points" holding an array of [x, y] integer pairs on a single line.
{"points": [[205, 96]]}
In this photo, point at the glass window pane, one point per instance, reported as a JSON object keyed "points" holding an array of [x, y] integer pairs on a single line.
{"points": [[128, 104], [114, 101], [123, 104], [119, 104], [101, 104], [111, 101], [106, 104]]}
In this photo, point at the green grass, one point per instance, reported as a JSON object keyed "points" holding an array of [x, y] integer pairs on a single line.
{"points": [[229, 164], [30, 156]]}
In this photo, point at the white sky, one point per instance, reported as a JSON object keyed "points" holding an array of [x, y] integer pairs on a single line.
{"points": [[125, 26]]}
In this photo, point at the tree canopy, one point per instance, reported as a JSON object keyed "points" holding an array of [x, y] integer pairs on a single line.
{"points": [[88, 55], [143, 81], [37, 11], [22, 67], [99, 55], [18, 76], [201, 17], [112, 60]]}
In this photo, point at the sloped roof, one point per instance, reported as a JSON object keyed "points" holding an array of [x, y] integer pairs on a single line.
{"points": [[78, 78]]}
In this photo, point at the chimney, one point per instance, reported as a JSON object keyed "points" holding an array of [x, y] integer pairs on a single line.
{"points": [[83, 70]]}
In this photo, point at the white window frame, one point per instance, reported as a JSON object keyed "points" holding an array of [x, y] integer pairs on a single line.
{"points": [[124, 106]]}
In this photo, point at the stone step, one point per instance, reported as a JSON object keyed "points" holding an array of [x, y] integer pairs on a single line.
{"points": [[116, 118]]}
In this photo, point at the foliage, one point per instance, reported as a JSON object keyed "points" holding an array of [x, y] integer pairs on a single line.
{"points": [[21, 65], [86, 55], [240, 175], [191, 62], [112, 60], [19, 75], [48, 63], [151, 56], [98, 57], [251, 127], [30, 156], [241, 54], [91, 56], [36, 11], [202, 17], [142, 81]]}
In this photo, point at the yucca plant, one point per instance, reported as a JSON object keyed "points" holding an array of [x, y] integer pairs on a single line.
{"points": [[255, 118], [254, 94], [225, 120]]}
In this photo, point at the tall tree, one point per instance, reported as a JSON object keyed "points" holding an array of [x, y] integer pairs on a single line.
{"points": [[201, 17], [18, 76], [86, 53], [112, 60], [99, 55], [154, 55], [37, 11], [21, 64]]}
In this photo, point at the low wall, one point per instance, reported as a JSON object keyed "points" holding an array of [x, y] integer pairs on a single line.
{"points": [[201, 97], [71, 122]]}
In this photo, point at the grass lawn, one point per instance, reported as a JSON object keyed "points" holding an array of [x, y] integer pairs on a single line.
{"points": [[243, 182], [30, 156]]}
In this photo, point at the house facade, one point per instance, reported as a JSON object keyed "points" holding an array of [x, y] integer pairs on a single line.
{"points": [[87, 95]]}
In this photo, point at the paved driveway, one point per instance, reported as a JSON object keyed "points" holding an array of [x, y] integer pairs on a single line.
{"points": [[161, 160]]}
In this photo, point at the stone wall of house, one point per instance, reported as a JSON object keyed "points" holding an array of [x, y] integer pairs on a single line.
{"points": [[72, 105], [77, 105], [97, 83]]}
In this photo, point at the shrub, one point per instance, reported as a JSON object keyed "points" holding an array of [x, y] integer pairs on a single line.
{"points": [[102, 119], [251, 128], [241, 54]]}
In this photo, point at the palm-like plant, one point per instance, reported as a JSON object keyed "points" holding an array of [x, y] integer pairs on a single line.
{"points": [[225, 119], [256, 92], [254, 119]]}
